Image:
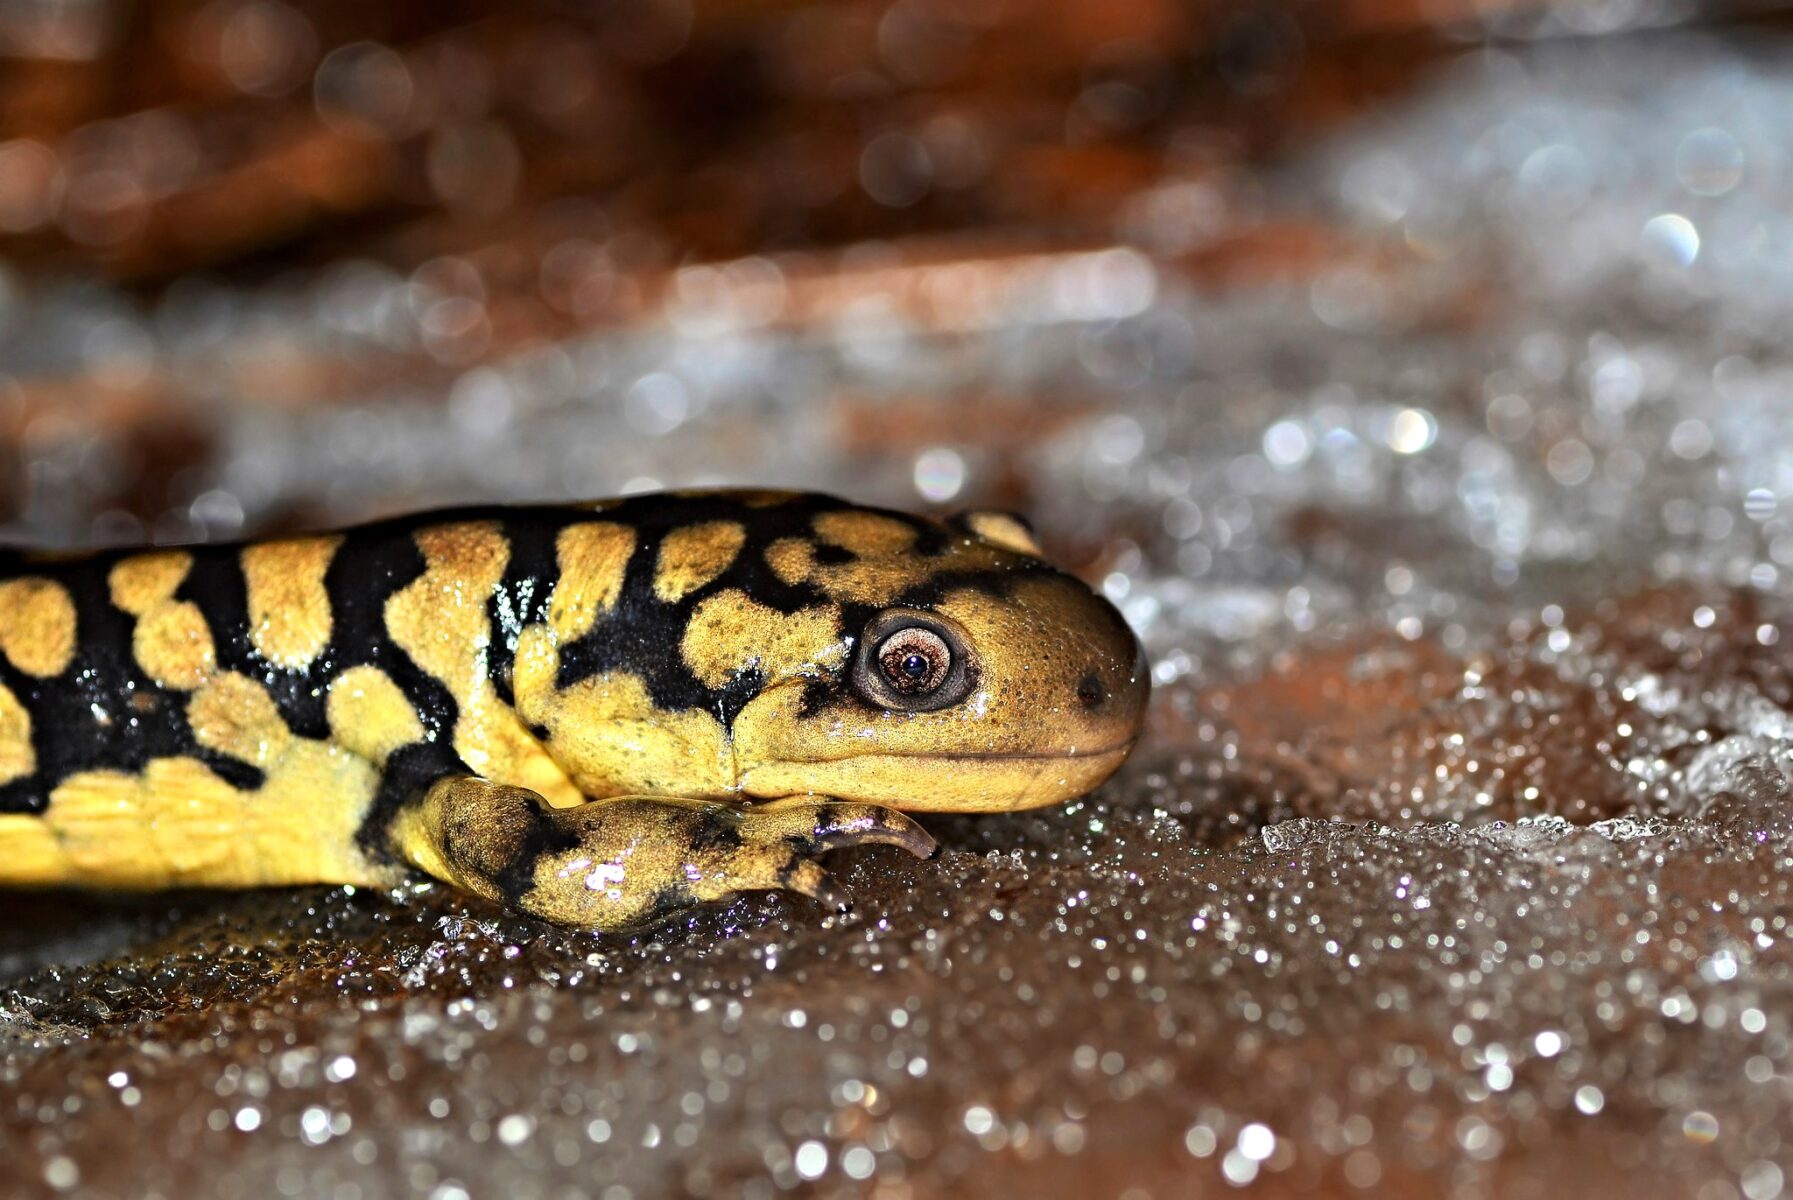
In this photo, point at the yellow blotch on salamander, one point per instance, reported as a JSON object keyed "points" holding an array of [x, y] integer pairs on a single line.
{"points": [[611, 737], [868, 535], [616, 742], [882, 563], [791, 559], [440, 620], [37, 626], [178, 823], [593, 558], [729, 634], [692, 556], [234, 715], [173, 644], [289, 611], [17, 758], [171, 640], [1003, 529], [370, 715], [142, 581]]}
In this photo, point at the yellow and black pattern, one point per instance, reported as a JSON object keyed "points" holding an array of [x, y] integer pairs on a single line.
{"points": [[598, 713]]}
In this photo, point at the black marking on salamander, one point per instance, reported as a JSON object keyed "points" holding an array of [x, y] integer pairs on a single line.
{"points": [[522, 596], [218, 588], [642, 634], [103, 712], [405, 780], [669, 899], [539, 837], [367, 569], [371, 565], [997, 583], [816, 695], [718, 828]]}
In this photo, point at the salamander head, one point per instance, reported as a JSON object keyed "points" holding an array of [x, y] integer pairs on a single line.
{"points": [[959, 671]]}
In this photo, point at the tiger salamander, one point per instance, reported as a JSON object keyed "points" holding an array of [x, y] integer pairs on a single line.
{"points": [[596, 713]]}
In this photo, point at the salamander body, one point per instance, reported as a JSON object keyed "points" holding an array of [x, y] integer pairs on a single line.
{"points": [[596, 713]]}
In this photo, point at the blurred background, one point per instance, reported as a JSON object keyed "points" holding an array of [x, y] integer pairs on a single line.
{"points": [[1413, 374], [268, 265]]}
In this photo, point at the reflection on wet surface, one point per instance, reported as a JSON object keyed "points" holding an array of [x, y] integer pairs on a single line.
{"points": [[1445, 470]]}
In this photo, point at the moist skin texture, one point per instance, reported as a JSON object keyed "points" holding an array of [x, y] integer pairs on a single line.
{"points": [[597, 713]]}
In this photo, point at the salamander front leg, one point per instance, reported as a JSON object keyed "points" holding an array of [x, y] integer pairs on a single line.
{"points": [[621, 863]]}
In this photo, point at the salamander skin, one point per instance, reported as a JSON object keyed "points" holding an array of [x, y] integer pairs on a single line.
{"points": [[596, 713]]}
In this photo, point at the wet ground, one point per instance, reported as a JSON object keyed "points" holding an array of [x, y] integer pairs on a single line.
{"points": [[1445, 466]]}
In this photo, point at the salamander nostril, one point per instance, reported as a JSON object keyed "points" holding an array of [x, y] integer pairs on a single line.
{"points": [[1090, 691]]}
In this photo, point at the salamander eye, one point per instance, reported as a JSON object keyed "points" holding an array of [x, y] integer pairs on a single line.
{"points": [[912, 661], [915, 661]]}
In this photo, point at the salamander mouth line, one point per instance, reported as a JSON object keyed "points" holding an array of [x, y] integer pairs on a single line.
{"points": [[982, 756]]}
